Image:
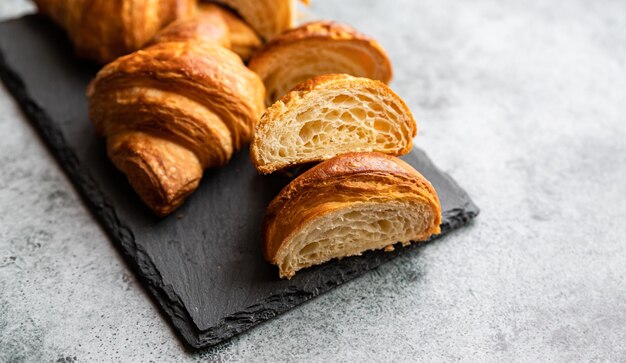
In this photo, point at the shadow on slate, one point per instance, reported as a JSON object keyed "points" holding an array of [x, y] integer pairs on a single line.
{"points": [[203, 264]]}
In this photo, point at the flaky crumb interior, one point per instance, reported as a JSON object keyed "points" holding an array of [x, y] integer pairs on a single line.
{"points": [[352, 231], [333, 123]]}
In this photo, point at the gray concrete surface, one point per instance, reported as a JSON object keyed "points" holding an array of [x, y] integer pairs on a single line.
{"points": [[523, 102]]}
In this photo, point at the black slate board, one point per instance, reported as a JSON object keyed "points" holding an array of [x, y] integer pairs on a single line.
{"points": [[204, 263]]}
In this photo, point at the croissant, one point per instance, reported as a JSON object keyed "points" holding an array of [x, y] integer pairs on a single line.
{"points": [[213, 23], [103, 30], [207, 25], [267, 17], [330, 115], [244, 40], [172, 110], [315, 49], [345, 206]]}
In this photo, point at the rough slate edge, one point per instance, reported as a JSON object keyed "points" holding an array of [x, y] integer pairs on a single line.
{"points": [[346, 269]]}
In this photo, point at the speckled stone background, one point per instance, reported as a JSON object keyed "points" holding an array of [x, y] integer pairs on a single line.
{"points": [[524, 103]]}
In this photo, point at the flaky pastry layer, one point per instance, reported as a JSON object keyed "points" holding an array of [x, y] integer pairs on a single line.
{"points": [[316, 49], [103, 30], [213, 23], [267, 17]]}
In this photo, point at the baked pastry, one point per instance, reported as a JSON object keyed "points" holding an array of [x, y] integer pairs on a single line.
{"points": [[348, 205], [315, 49], [267, 17], [244, 40], [213, 23], [208, 25], [172, 110], [330, 115], [102, 30]]}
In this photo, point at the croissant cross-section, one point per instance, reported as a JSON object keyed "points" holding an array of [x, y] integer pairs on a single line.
{"points": [[330, 115], [348, 205], [315, 49]]}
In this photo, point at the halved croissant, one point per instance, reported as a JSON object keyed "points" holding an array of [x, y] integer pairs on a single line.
{"points": [[315, 49], [213, 23], [267, 17], [102, 30], [347, 205], [330, 115], [170, 111]]}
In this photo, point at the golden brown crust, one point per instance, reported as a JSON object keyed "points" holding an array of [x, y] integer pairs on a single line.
{"points": [[102, 30], [339, 81], [162, 172], [326, 30], [244, 40], [216, 24], [267, 17], [208, 25], [203, 72], [346, 180], [172, 110], [292, 57], [302, 95]]}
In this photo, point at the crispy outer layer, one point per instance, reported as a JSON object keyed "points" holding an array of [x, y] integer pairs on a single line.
{"points": [[207, 24], [216, 23], [314, 32], [102, 30], [202, 71], [347, 178], [267, 17], [161, 172], [332, 81], [244, 40]]}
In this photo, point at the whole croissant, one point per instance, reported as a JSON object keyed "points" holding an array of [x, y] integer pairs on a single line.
{"points": [[103, 30], [347, 205], [171, 110]]}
